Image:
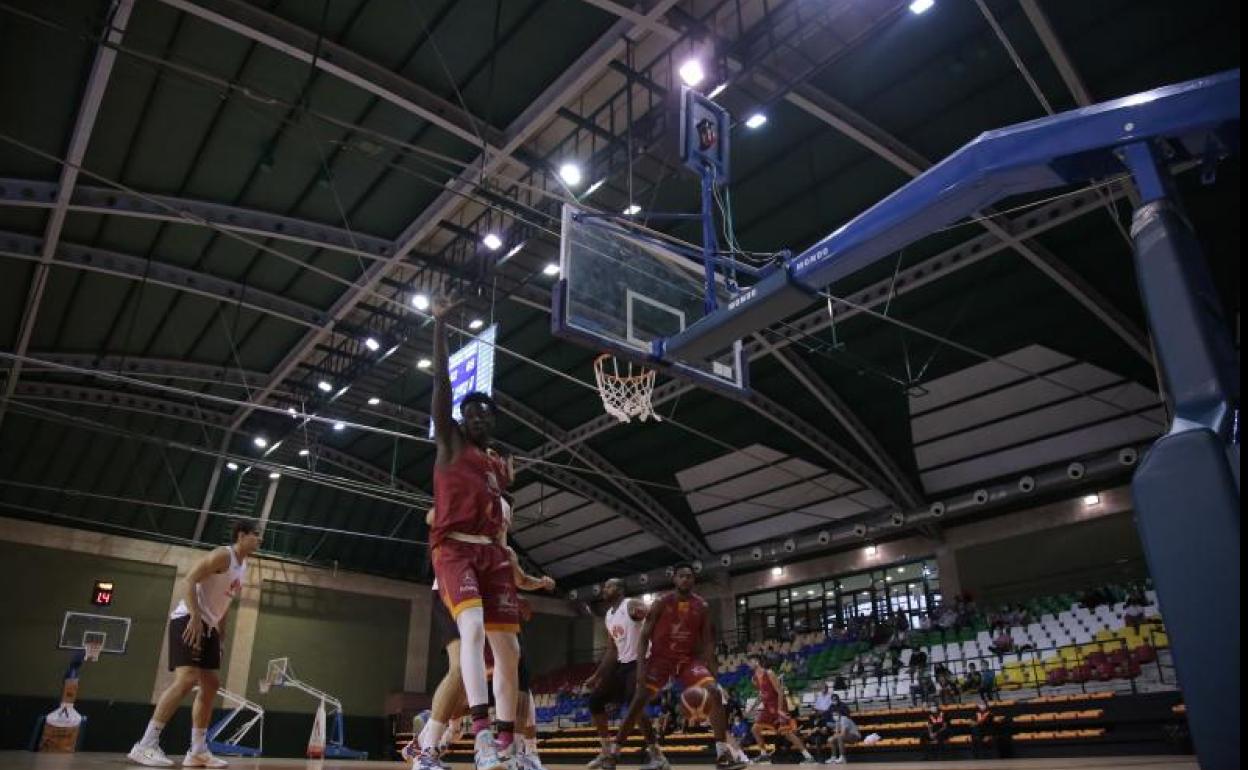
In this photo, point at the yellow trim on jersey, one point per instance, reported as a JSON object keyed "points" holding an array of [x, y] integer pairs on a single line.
{"points": [[466, 604]]}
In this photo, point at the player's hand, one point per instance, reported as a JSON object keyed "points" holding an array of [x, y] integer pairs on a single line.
{"points": [[193, 632], [442, 304], [593, 682], [547, 583]]}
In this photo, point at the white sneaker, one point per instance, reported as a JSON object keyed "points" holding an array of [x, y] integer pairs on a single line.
{"points": [[203, 758], [808, 761], [151, 756], [596, 762], [485, 756], [426, 759]]}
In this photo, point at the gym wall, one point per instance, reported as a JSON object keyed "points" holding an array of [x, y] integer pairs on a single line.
{"points": [[42, 583], [350, 645], [1069, 558]]}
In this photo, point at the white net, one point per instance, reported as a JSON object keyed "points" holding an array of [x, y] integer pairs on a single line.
{"points": [[625, 391]]}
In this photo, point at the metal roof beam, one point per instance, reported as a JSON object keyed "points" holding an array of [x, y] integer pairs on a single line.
{"points": [[815, 385], [1057, 52], [819, 105], [111, 202], [680, 538], [573, 81], [88, 110], [327, 56], [163, 367], [26, 247]]}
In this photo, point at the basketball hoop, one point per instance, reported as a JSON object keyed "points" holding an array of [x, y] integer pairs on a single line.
{"points": [[274, 675], [626, 394], [91, 649]]}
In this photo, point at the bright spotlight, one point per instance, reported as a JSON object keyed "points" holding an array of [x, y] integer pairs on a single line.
{"points": [[691, 72]]}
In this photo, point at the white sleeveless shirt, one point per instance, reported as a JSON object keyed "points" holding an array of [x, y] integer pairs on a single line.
{"points": [[216, 591], [625, 631]]}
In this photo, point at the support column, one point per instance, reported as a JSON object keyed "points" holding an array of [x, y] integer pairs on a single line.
{"points": [[416, 669], [947, 567], [241, 630], [1186, 489]]}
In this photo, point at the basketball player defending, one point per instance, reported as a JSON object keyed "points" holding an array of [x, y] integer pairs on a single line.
{"points": [[771, 713], [473, 571], [615, 680], [681, 644], [195, 630]]}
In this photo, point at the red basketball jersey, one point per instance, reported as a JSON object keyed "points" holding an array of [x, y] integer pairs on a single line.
{"points": [[678, 632], [468, 495], [767, 691]]}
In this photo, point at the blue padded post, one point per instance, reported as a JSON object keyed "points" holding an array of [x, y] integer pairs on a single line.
{"points": [[1186, 490]]}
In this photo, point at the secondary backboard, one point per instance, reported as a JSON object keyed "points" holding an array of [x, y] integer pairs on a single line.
{"points": [[621, 289], [79, 628]]}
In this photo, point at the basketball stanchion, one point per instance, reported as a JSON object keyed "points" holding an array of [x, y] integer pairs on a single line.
{"points": [[251, 714], [280, 673]]}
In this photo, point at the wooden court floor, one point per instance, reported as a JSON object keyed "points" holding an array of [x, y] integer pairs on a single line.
{"points": [[24, 760]]}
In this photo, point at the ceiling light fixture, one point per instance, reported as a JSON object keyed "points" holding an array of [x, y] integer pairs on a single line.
{"points": [[339, 426], [1092, 500], [374, 401], [260, 441], [570, 173], [550, 269], [424, 363], [756, 120], [475, 324], [372, 344], [777, 571], [632, 210], [595, 187], [691, 72], [420, 301], [717, 90], [304, 453], [274, 476], [513, 251], [492, 242], [232, 466], [324, 386], [921, 6]]}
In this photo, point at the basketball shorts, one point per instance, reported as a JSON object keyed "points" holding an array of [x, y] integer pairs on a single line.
{"points": [[771, 716], [690, 672], [442, 628], [478, 575], [618, 688], [206, 656]]}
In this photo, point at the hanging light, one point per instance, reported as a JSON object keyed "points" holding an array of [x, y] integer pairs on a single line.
{"points": [[492, 242], [571, 174], [691, 72]]}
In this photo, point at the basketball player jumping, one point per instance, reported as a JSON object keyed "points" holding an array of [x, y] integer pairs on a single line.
{"points": [[615, 680], [681, 644], [473, 570], [449, 698], [771, 713], [195, 630]]}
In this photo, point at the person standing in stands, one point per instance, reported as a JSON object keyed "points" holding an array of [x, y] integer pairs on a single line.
{"points": [[937, 732]]}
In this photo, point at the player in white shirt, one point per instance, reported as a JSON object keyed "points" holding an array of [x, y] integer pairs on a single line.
{"points": [[196, 626], [615, 680]]}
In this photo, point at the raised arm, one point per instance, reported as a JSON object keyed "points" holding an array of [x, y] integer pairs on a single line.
{"points": [[445, 431]]}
